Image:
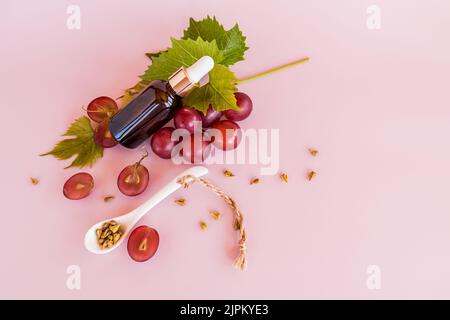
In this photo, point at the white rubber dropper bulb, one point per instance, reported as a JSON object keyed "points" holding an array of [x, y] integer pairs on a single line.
{"points": [[200, 68]]}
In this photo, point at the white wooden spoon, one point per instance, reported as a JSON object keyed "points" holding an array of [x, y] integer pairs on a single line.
{"points": [[128, 220]]}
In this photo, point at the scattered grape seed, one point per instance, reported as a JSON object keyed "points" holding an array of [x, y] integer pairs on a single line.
{"points": [[108, 198], [215, 215], [203, 225], [284, 177], [228, 173], [180, 202], [313, 152], [312, 175], [255, 181], [34, 181]]}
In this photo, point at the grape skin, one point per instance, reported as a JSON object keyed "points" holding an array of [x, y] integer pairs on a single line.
{"points": [[78, 186], [162, 144], [143, 243], [245, 105], [103, 137], [101, 108], [187, 118], [196, 148], [133, 180], [227, 134], [210, 117]]}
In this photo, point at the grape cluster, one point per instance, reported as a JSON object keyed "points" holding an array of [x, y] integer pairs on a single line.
{"points": [[226, 137]]}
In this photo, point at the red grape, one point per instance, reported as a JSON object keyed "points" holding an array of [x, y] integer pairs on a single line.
{"points": [[133, 179], [228, 136], [78, 186], [143, 243], [162, 143], [195, 148], [245, 105], [187, 118], [101, 108], [210, 117], [103, 136]]}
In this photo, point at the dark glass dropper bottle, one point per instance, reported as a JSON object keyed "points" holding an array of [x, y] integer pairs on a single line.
{"points": [[156, 104]]}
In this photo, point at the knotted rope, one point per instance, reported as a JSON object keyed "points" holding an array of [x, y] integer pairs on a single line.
{"points": [[241, 261]]}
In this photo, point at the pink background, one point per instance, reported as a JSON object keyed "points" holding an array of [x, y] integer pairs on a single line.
{"points": [[375, 103]]}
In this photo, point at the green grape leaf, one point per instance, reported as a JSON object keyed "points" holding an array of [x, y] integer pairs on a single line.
{"points": [[82, 145], [182, 53], [231, 42], [152, 55], [218, 92]]}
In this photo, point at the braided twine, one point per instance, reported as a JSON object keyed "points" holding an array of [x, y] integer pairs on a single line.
{"points": [[241, 261]]}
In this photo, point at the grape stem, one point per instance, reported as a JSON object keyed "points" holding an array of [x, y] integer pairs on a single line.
{"points": [[259, 75], [142, 158]]}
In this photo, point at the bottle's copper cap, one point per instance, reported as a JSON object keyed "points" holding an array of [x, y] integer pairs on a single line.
{"points": [[180, 82]]}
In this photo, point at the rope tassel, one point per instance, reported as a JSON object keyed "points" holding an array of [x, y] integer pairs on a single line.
{"points": [[241, 260]]}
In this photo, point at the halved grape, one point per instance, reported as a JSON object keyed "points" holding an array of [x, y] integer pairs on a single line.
{"points": [[187, 118], [101, 108], [78, 186], [228, 136], [133, 179], [245, 105], [196, 149], [103, 136], [210, 117], [161, 142], [143, 243]]}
